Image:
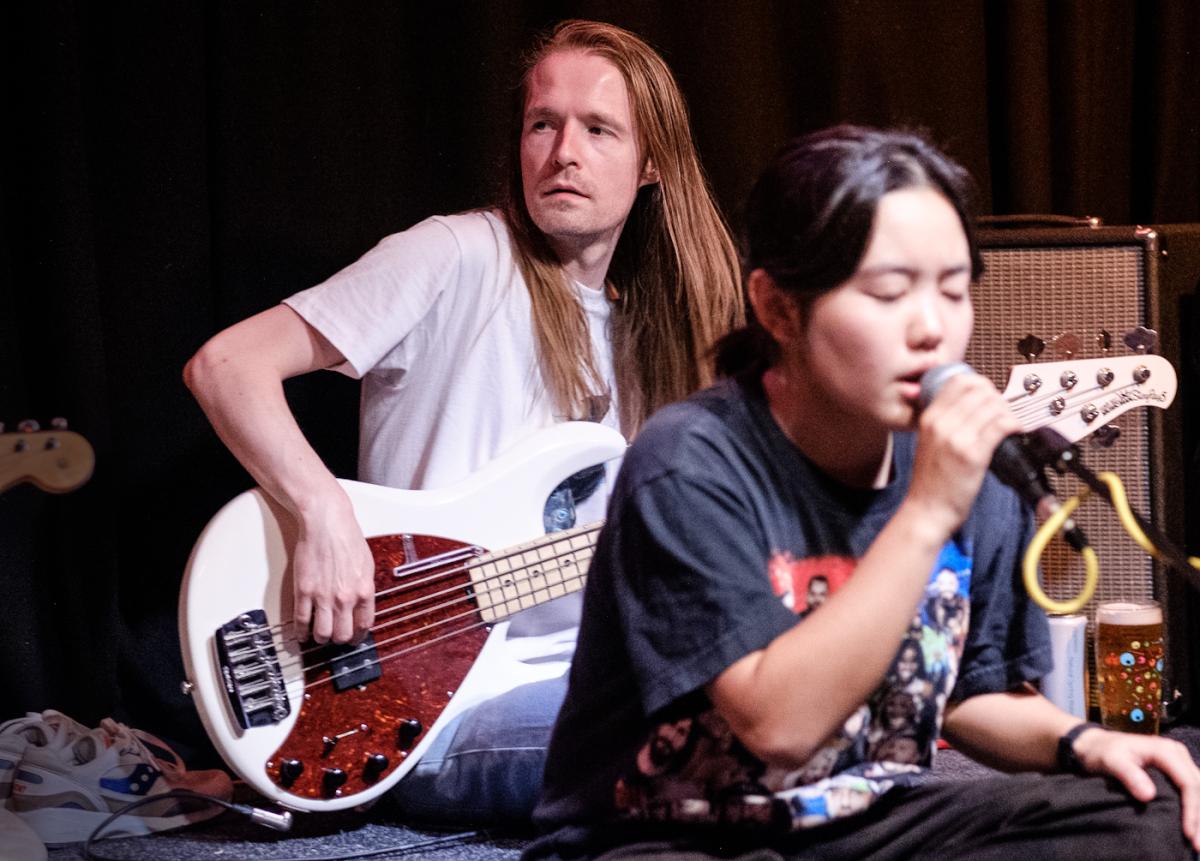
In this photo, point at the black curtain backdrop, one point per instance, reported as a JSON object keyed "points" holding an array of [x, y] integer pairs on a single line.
{"points": [[170, 169]]}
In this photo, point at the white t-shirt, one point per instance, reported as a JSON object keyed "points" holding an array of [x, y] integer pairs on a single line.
{"points": [[436, 322]]}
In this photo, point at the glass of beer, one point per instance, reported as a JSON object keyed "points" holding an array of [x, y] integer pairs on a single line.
{"points": [[1129, 664]]}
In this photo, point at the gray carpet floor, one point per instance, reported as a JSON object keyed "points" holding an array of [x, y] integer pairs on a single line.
{"points": [[230, 837]]}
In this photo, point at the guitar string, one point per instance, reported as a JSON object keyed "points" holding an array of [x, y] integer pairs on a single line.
{"points": [[496, 585], [554, 542], [577, 556], [1078, 391], [469, 614], [568, 585], [517, 582], [578, 577], [423, 643], [466, 599], [552, 539], [565, 542], [512, 579], [1033, 408]]}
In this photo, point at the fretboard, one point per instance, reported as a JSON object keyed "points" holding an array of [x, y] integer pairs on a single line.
{"points": [[530, 574]]}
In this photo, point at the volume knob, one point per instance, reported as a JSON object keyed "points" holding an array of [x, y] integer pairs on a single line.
{"points": [[407, 732], [376, 765], [332, 780], [290, 770]]}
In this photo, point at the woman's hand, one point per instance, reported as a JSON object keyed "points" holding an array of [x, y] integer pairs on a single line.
{"points": [[1126, 756]]}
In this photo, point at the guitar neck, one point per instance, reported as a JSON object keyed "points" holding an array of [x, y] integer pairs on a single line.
{"points": [[524, 576]]}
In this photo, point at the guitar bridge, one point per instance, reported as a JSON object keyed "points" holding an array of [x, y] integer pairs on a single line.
{"points": [[250, 670]]}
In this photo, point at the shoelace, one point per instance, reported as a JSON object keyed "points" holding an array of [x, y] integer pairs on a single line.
{"points": [[128, 738], [64, 730], [49, 729]]}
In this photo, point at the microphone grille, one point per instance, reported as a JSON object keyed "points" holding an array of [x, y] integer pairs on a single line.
{"points": [[933, 379]]}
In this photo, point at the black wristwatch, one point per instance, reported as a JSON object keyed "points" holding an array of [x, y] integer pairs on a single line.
{"points": [[1069, 761]]}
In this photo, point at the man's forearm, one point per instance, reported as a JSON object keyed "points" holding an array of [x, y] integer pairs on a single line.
{"points": [[253, 421], [237, 378]]}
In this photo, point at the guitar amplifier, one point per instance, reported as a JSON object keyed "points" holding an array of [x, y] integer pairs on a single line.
{"points": [[1080, 290]]}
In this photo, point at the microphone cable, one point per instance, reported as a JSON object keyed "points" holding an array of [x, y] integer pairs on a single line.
{"points": [[1033, 556], [1107, 485]]}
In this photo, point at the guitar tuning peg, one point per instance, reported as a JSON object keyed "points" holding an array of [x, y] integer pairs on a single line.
{"points": [[1105, 436], [1066, 344], [1030, 347], [1104, 340], [1141, 339], [59, 423], [28, 426]]}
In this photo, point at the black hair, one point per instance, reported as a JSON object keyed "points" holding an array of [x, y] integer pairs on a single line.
{"points": [[809, 217]]}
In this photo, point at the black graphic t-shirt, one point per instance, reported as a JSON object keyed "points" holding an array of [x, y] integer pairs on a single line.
{"points": [[721, 535]]}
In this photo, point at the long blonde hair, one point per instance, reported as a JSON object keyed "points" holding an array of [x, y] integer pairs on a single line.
{"points": [[675, 271]]}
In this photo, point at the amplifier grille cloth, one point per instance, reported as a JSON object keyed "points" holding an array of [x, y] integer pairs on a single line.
{"points": [[1049, 291]]}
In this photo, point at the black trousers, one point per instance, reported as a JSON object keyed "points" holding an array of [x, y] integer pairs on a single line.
{"points": [[1023, 817]]}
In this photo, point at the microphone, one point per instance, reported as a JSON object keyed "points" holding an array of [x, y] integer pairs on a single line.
{"points": [[1010, 462]]}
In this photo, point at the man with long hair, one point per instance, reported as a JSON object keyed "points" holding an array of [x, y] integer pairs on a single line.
{"points": [[595, 292]]}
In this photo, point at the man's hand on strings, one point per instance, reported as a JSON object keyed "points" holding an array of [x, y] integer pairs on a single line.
{"points": [[334, 574]]}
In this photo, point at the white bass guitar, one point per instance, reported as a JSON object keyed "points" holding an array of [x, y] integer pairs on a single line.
{"points": [[327, 727]]}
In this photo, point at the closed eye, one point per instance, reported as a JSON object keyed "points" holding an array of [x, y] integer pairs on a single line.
{"points": [[955, 284], [890, 285]]}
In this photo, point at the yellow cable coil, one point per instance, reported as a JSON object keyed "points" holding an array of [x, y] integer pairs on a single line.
{"points": [[1033, 553]]}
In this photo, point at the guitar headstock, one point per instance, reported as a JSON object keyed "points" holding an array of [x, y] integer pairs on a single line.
{"points": [[56, 460], [1078, 397]]}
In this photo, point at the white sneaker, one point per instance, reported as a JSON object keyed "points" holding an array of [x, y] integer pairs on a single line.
{"points": [[49, 728], [65, 791], [13, 742]]}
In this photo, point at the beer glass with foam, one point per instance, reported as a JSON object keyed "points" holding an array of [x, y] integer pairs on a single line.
{"points": [[1129, 664]]}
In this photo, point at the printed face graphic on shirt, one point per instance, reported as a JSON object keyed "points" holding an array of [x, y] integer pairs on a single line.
{"points": [[899, 748], [908, 661], [692, 768], [669, 741], [813, 578], [818, 591]]}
